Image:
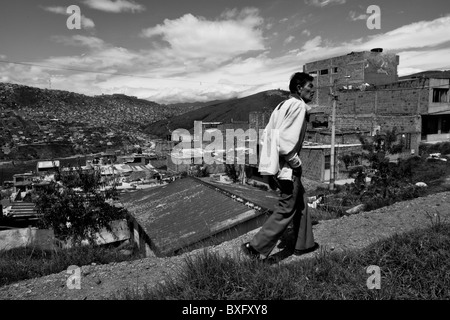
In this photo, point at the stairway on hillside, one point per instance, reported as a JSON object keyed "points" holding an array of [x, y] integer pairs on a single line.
{"points": [[23, 210]]}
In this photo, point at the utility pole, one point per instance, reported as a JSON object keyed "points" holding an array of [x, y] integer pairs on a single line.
{"points": [[333, 131], [334, 98]]}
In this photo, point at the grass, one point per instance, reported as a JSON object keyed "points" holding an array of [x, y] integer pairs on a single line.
{"points": [[26, 263], [413, 266]]}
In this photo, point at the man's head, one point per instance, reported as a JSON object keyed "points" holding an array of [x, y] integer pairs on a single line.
{"points": [[301, 84]]}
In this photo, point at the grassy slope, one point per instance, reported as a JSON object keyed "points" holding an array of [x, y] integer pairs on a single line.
{"points": [[26, 263], [412, 266]]}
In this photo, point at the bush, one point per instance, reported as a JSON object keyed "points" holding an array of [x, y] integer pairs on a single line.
{"points": [[232, 172], [75, 208], [442, 147]]}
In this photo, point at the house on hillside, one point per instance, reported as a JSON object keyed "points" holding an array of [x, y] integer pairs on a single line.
{"points": [[23, 182], [47, 167]]}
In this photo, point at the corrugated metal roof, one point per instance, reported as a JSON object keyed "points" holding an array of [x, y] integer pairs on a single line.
{"points": [[183, 213]]}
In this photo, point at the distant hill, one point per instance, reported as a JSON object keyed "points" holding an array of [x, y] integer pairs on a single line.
{"points": [[439, 74], [236, 109], [68, 106]]}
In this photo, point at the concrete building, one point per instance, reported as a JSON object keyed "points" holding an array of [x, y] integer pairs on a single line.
{"points": [[23, 182], [316, 160]]}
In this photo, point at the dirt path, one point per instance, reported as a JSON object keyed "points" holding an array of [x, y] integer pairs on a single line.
{"points": [[354, 232]]}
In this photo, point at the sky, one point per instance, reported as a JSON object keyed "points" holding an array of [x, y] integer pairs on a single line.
{"points": [[202, 50]]}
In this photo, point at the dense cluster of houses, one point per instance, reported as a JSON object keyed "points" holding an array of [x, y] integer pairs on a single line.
{"points": [[123, 172], [19, 132]]}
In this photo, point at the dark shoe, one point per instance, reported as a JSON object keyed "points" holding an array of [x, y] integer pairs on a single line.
{"points": [[249, 251], [305, 251]]}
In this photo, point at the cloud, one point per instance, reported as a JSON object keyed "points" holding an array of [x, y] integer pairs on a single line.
{"points": [[422, 60], [306, 32], [312, 44], [284, 20], [116, 6], [288, 40], [86, 23], [354, 17], [212, 41], [416, 35], [165, 73], [80, 41], [57, 10], [323, 3]]}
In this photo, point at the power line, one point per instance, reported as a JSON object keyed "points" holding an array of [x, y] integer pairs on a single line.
{"points": [[120, 74]]}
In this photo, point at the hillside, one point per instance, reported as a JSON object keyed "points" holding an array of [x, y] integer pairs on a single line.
{"points": [[236, 109], [193, 105], [39, 123], [69, 106], [439, 74]]}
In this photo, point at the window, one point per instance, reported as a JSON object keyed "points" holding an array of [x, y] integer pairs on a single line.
{"points": [[335, 70], [440, 95], [406, 138], [327, 162], [313, 72], [324, 71]]}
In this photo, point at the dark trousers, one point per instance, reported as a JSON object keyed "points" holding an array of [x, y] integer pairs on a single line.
{"points": [[292, 206]]}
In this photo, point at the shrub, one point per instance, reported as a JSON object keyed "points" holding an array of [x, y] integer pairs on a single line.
{"points": [[75, 208], [232, 172]]}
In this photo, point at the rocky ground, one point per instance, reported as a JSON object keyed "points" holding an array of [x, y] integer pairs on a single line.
{"points": [[352, 232]]}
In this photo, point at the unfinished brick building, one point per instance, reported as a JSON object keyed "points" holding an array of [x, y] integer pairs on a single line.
{"points": [[371, 98]]}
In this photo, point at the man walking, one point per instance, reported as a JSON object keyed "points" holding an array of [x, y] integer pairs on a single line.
{"points": [[281, 144]]}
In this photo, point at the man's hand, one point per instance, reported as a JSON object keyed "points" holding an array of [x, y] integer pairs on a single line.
{"points": [[297, 171], [294, 162]]}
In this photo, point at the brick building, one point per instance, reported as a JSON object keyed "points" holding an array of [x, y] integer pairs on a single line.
{"points": [[371, 98], [353, 70]]}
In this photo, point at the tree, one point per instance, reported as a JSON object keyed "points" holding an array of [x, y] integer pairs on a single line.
{"points": [[201, 171], [390, 182], [232, 172], [75, 207]]}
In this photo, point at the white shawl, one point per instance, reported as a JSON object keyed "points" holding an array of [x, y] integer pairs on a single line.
{"points": [[282, 138]]}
